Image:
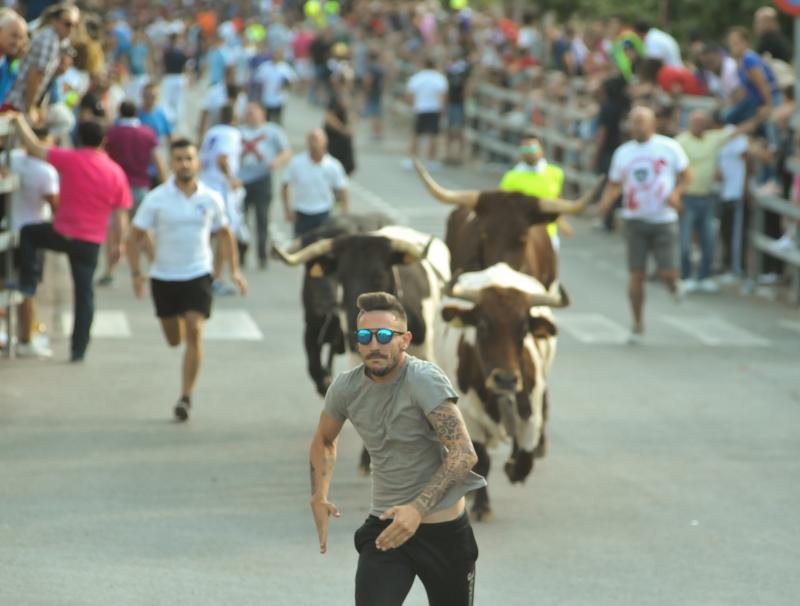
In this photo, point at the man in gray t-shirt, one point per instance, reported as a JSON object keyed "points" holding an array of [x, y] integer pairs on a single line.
{"points": [[405, 411]]}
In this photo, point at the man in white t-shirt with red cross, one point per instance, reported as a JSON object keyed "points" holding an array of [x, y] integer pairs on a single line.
{"points": [[651, 172]]}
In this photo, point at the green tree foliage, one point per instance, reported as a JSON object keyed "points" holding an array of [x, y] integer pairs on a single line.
{"points": [[709, 18]]}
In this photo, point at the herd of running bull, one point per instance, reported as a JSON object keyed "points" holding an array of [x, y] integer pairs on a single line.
{"points": [[478, 305]]}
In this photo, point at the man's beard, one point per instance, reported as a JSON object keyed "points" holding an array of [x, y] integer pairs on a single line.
{"points": [[184, 177], [392, 363]]}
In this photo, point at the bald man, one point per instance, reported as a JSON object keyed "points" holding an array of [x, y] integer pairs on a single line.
{"points": [[651, 172], [312, 183], [13, 39], [771, 40]]}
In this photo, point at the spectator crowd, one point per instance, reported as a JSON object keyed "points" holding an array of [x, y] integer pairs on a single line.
{"points": [[128, 66]]}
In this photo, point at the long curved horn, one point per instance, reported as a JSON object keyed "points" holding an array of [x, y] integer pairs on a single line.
{"points": [[549, 299], [567, 207], [468, 198], [312, 251]]}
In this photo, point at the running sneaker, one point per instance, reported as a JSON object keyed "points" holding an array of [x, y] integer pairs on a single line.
{"points": [[182, 408], [635, 338], [221, 289], [688, 286], [106, 280], [33, 350], [708, 286]]}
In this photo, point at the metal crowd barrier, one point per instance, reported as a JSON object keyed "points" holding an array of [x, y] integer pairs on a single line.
{"points": [[8, 183], [762, 245]]}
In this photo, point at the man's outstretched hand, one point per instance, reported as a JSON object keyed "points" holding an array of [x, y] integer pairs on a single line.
{"points": [[322, 509]]}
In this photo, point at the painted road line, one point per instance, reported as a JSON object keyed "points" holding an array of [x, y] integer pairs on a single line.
{"points": [[107, 324], [592, 328], [378, 203], [715, 332], [790, 324], [232, 325]]}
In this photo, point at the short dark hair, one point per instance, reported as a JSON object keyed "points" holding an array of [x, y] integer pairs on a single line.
{"points": [[181, 143], [741, 32], [430, 63], [91, 133], [226, 114], [642, 26], [381, 301], [41, 131], [127, 109]]}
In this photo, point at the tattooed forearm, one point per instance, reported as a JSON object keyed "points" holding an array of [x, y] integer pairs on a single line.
{"points": [[446, 420]]}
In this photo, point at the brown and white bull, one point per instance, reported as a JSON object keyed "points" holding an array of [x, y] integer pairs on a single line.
{"points": [[497, 340], [489, 227]]}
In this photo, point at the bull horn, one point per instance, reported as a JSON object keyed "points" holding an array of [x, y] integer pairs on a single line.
{"points": [[467, 198], [304, 255], [567, 207], [549, 299], [409, 248]]}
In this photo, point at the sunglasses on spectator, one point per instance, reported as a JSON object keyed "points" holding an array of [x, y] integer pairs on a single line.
{"points": [[529, 149], [382, 335]]}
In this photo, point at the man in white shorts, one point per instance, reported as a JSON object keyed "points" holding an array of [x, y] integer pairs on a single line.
{"points": [[651, 172], [182, 212]]}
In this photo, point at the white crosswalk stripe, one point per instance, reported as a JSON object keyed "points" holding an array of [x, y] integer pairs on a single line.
{"points": [[232, 325], [107, 323], [592, 328], [585, 327], [715, 332]]}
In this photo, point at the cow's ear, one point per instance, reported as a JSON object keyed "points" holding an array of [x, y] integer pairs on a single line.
{"points": [[316, 271], [458, 316], [542, 328]]}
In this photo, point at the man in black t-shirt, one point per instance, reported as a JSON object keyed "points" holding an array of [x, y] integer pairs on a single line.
{"points": [[320, 51], [458, 73]]}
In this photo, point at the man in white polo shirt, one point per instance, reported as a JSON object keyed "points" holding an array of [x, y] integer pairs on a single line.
{"points": [[317, 181], [183, 212], [428, 90]]}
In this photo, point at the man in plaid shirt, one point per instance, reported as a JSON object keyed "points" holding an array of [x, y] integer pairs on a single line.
{"points": [[38, 67]]}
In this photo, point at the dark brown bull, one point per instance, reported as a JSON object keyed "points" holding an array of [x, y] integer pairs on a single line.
{"points": [[491, 227]]}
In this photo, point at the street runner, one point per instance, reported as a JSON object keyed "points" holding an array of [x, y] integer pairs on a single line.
{"points": [[182, 212], [405, 410]]}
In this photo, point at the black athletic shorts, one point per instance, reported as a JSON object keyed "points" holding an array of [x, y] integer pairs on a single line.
{"points": [[427, 123], [176, 298]]}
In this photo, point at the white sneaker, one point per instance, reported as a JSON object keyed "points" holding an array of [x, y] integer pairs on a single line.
{"points": [[687, 286], [635, 338], [785, 242], [768, 279], [33, 350], [728, 279], [708, 286]]}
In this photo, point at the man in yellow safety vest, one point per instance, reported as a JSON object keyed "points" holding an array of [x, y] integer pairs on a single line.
{"points": [[535, 176]]}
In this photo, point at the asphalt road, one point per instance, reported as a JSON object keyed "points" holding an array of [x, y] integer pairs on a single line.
{"points": [[672, 473]]}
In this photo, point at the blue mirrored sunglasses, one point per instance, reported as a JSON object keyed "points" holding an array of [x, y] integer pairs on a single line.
{"points": [[382, 335]]}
